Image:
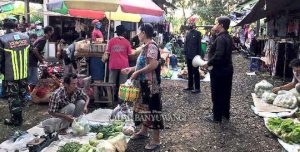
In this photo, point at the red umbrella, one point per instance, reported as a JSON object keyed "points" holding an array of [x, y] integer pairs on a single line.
{"points": [[141, 7], [87, 14]]}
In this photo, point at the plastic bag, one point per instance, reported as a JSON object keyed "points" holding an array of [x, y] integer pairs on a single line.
{"points": [[80, 127], [261, 87], [287, 100], [268, 97]]}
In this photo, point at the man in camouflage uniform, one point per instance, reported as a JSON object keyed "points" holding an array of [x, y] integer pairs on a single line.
{"points": [[13, 68]]}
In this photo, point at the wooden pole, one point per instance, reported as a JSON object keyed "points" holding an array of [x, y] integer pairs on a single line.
{"points": [[27, 11]]}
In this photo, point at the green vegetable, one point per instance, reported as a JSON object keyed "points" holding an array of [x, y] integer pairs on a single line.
{"points": [[93, 142], [118, 128], [100, 136], [109, 130], [85, 148], [286, 129], [70, 147]]}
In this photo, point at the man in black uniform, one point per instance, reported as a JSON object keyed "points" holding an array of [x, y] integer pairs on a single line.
{"points": [[192, 47], [222, 70], [13, 66]]}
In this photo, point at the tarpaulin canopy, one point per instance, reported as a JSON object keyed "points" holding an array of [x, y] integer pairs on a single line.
{"points": [[152, 19], [96, 5], [264, 8], [6, 6], [87, 14], [141, 7], [121, 16]]}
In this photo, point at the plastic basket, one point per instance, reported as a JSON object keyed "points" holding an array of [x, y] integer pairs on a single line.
{"points": [[129, 93]]}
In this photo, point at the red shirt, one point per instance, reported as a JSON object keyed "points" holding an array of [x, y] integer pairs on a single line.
{"points": [[119, 48], [96, 34]]}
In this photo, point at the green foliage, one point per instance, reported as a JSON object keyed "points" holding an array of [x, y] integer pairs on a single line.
{"points": [[209, 10]]}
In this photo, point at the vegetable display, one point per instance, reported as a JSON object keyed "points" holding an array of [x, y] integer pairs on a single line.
{"points": [[107, 131], [70, 147], [286, 129]]}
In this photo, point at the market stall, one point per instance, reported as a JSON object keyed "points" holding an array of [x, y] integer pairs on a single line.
{"points": [[102, 130]]}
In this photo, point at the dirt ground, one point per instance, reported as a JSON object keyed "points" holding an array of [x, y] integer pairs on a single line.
{"points": [[185, 127]]}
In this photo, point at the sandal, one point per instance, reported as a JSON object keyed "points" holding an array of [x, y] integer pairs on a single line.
{"points": [[63, 132], [139, 136], [152, 146]]}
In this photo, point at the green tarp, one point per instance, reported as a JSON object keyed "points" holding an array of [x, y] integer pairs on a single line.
{"points": [[6, 8]]}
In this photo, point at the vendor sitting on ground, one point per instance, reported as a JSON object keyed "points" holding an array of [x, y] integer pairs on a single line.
{"points": [[68, 102], [295, 64]]}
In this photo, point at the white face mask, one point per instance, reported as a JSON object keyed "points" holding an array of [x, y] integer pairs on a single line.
{"points": [[39, 27]]}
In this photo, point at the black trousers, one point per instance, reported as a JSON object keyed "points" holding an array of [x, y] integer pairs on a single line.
{"points": [[221, 84], [193, 76]]}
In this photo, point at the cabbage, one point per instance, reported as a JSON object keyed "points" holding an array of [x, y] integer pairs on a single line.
{"points": [[261, 87], [268, 97], [105, 146]]}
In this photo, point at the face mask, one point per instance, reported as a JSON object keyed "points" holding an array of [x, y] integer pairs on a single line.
{"points": [[38, 27], [98, 26]]}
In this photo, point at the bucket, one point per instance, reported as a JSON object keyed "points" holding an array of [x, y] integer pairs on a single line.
{"points": [[255, 64]]}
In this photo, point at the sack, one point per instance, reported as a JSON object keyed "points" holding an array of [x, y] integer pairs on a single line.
{"points": [[82, 46]]}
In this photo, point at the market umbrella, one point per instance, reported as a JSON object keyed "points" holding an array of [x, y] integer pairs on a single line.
{"points": [[152, 19], [95, 5], [60, 7], [121, 16], [141, 7], [87, 14]]}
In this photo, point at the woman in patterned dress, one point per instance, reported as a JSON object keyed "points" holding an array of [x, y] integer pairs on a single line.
{"points": [[147, 110]]}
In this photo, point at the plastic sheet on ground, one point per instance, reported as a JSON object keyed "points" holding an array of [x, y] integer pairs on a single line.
{"points": [[289, 147], [99, 116], [271, 114]]}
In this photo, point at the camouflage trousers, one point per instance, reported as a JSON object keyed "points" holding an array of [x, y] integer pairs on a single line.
{"points": [[16, 91]]}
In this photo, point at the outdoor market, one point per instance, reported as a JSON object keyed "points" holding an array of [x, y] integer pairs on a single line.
{"points": [[149, 75]]}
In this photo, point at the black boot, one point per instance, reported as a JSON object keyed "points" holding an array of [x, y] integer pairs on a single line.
{"points": [[15, 120]]}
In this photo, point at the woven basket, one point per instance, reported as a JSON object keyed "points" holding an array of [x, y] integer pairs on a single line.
{"points": [[129, 93]]}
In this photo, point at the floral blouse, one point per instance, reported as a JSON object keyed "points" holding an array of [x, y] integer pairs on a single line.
{"points": [[149, 51]]}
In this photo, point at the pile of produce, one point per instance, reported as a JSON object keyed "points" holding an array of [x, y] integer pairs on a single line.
{"points": [[285, 99], [166, 73], [268, 97], [286, 129], [108, 131], [70, 147], [261, 87], [114, 144]]}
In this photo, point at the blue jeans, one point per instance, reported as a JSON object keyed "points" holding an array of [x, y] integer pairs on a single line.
{"points": [[33, 76]]}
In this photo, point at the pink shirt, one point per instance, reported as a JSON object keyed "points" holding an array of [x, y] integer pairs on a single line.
{"points": [[96, 34], [119, 48]]}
